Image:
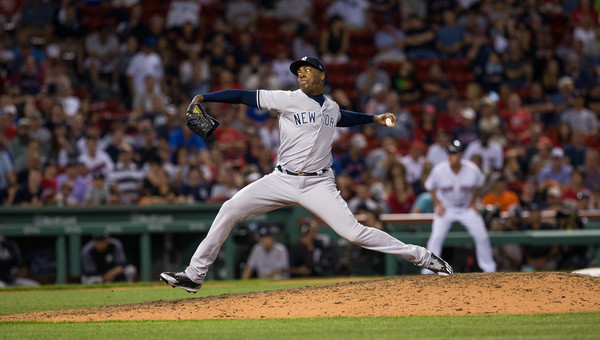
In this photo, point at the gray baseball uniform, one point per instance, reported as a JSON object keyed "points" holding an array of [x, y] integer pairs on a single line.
{"points": [[303, 177], [455, 192]]}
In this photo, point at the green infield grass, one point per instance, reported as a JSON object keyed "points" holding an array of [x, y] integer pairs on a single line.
{"points": [[42, 298]]}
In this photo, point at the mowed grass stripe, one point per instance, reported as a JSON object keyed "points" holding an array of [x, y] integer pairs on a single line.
{"points": [[541, 326], [42, 300]]}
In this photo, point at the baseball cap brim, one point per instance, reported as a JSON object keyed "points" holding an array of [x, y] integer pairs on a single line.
{"points": [[299, 63]]}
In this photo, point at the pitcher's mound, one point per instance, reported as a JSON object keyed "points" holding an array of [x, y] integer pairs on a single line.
{"points": [[459, 294]]}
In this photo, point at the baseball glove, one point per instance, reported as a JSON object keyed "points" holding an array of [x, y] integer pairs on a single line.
{"points": [[200, 122]]}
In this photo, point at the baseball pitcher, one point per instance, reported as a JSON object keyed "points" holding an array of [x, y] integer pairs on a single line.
{"points": [[303, 175]]}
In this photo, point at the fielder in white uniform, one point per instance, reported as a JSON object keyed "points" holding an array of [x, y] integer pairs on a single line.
{"points": [[307, 120], [455, 186]]}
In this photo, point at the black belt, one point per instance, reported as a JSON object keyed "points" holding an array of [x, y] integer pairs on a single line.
{"points": [[285, 171]]}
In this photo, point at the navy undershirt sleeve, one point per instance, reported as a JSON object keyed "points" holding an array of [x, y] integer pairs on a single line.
{"points": [[351, 118], [245, 97]]}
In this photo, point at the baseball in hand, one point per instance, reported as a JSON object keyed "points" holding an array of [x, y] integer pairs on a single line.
{"points": [[389, 122]]}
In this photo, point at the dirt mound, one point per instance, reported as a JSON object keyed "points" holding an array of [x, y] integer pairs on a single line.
{"points": [[459, 294]]}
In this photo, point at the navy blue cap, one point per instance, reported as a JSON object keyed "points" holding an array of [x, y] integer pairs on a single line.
{"points": [[310, 61]]}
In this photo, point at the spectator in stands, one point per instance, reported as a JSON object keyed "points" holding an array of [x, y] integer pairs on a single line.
{"points": [[406, 84], [424, 202], [196, 189], [352, 12], [562, 98], [579, 117], [144, 63], [451, 38], [186, 138], [437, 152], [103, 260], [435, 84], [451, 119], [7, 174], [228, 184], [376, 104], [557, 171], [98, 192], [539, 104], [500, 196], [149, 101], [294, 15], [367, 79], [389, 42], [414, 161], [181, 12], [281, 69], [551, 76], [517, 120], [591, 170], [94, 159], [49, 184], [18, 146], [400, 196], [11, 264], [529, 196], [427, 131], [77, 183], [37, 130], [8, 130], [576, 191], [126, 176], [420, 39], [38, 15], [334, 42], [490, 151], [518, 72], [268, 259], [576, 149], [194, 73], [156, 186], [30, 192], [241, 14], [148, 146], [352, 161], [362, 197], [101, 47], [303, 44]]}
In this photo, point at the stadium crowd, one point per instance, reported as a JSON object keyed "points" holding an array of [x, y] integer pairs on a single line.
{"points": [[93, 98]]}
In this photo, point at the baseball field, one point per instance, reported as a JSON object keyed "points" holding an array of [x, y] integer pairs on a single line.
{"points": [[462, 306]]}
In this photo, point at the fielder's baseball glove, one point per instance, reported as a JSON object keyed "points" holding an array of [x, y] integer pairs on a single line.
{"points": [[200, 122]]}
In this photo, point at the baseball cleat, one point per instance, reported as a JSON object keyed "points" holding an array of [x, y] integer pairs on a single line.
{"points": [[180, 280], [437, 265]]}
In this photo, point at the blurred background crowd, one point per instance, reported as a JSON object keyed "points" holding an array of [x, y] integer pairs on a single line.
{"points": [[93, 98]]}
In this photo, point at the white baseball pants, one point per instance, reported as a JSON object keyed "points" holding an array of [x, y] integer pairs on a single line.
{"points": [[474, 224], [318, 194]]}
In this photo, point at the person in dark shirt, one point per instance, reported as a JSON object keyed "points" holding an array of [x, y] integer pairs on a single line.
{"points": [[103, 261], [10, 261], [303, 255], [539, 257], [196, 190], [420, 40]]}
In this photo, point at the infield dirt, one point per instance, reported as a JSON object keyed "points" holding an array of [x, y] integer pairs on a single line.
{"points": [[459, 294]]}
